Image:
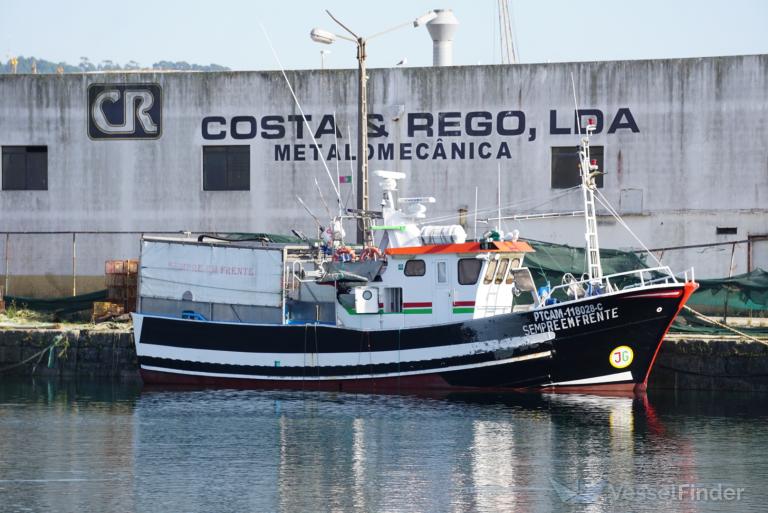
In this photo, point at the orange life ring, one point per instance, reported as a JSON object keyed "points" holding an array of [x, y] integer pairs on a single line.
{"points": [[345, 254], [370, 253]]}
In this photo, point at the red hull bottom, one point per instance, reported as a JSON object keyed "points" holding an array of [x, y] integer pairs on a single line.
{"points": [[407, 384]]}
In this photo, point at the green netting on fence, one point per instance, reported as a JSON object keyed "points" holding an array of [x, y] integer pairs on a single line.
{"points": [[59, 305], [744, 294], [687, 322]]}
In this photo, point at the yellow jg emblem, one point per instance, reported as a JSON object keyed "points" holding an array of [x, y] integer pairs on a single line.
{"points": [[621, 357]]}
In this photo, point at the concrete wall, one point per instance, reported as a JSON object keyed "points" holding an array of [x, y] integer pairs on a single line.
{"points": [[686, 155]]}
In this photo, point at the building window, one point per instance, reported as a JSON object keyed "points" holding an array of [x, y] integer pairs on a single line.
{"points": [[226, 168], [469, 270], [415, 268], [565, 166], [25, 168]]}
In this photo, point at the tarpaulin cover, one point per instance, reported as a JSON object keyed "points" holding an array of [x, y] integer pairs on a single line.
{"points": [[211, 273]]}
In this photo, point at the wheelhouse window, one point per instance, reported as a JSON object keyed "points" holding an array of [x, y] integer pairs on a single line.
{"points": [[490, 272], [469, 270], [25, 168], [415, 268], [227, 168], [513, 264], [565, 166], [524, 287], [501, 272]]}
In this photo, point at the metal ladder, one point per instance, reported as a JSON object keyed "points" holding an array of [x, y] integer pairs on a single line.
{"points": [[594, 267]]}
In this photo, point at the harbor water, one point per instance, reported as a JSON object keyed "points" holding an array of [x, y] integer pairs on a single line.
{"points": [[99, 447]]}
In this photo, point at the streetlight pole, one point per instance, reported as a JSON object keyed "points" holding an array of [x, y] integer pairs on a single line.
{"points": [[323, 53], [364, 235], [363, 232]]}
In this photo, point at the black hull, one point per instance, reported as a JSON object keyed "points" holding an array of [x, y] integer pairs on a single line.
{"points": [[567, 346]]}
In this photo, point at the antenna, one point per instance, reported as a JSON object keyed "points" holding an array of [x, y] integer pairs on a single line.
{"points": [[303, 117], [475, 227], [506, 34], [309, 211], [338, 180], [575, 103], [498, 196]]}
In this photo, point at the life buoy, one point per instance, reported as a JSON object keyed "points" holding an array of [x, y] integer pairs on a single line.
{"points": [[345, 254], [370, 253]]}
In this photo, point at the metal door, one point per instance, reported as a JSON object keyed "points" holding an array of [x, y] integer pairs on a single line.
{"points": [[441, 303]]}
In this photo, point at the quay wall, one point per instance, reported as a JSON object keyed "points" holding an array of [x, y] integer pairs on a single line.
{"points": [[683, 363], [683, 144], [76, 353]]}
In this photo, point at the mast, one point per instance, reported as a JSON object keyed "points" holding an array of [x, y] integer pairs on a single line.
{"points": [[589, 171]]}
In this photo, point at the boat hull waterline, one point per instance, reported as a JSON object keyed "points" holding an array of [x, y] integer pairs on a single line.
{"points": [[606, 342]]}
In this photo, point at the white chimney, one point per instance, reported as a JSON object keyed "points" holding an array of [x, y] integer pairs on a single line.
{"points": [[442, 29]]}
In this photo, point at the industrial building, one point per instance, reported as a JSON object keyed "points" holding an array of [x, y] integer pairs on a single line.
{"points": [[91, 161]]}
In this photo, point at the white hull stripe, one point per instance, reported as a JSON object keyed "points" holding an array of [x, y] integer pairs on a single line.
{"points": [[534, 356], [310, 359], [608, 378], [674, 293]]}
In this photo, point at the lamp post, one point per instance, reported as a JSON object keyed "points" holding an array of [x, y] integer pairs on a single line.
{"points": [[364, 235], [323, 53]]}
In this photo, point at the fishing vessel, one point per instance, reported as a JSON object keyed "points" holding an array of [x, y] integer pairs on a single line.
{"points": [[422, 309]]}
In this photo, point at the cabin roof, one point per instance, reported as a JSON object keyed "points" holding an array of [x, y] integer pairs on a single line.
{"points": [[465, 247]]}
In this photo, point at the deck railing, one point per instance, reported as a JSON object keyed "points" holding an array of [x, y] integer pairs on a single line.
{"points": [[612, 282]]}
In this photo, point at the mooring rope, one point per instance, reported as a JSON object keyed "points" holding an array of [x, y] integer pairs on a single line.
{"points": [[56, 342], [720, 324]]}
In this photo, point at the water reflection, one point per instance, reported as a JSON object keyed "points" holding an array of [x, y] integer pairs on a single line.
{"points": [[60, 442], [105, 447]]}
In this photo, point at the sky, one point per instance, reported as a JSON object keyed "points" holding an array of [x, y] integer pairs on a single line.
{"points": [[228, 32]]}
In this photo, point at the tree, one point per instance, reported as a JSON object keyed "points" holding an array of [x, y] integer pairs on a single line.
{"points": [[23, 64], [86, 65]]}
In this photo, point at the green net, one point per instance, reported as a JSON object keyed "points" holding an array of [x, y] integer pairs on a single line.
{"points": [[59, 305], [688, 322], [551, 261], [264, 237], [744, 294]]}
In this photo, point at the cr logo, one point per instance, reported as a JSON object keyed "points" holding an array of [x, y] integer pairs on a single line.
{"points": [[124, 111]]}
